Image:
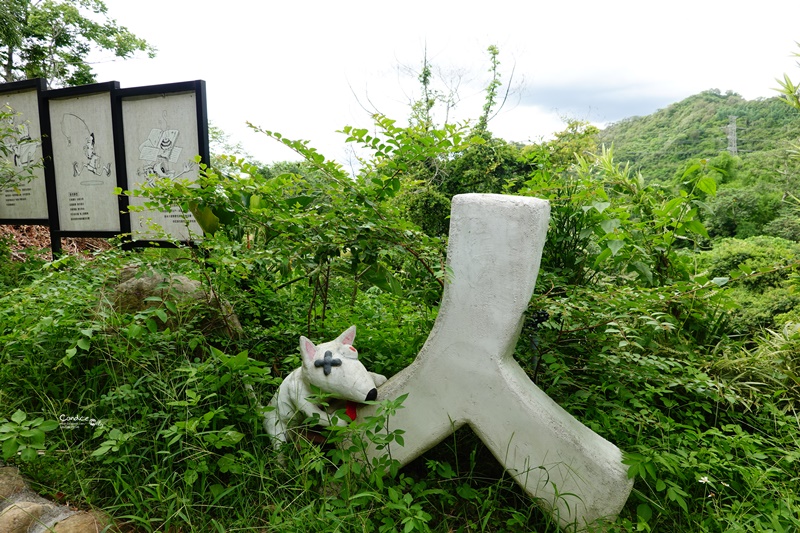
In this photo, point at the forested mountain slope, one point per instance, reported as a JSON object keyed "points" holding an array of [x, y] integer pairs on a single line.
{"points": [[749, 147], [700, 127]]}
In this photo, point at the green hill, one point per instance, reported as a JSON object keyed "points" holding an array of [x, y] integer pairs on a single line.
{"points": [[698, 127], [750, 148]]}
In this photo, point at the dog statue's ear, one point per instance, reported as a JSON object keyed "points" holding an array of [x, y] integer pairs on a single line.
{"points": [[348, 336], [308, 349]]}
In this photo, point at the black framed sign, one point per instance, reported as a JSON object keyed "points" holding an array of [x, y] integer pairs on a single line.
{"points": [[79, 128], [25, 201], [164, 129], [85, 142]]}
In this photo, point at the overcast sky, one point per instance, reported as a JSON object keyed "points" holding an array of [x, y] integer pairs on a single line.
{"points": [[306, 69]]}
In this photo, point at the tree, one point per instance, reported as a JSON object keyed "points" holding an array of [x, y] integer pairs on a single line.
{"points": [[790, 90], [577, 139], [52, 39]]}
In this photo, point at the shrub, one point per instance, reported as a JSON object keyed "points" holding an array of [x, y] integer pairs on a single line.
{"points": [[754, 253], [785, 226]]}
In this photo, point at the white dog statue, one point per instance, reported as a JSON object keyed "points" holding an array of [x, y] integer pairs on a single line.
{"points": [[334, 369]]}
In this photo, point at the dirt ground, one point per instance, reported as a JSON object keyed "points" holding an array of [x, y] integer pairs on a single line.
{"points": [[38, 238]]}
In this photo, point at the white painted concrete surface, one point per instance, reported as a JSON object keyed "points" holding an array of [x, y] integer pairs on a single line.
{"points": [[465, 372]]}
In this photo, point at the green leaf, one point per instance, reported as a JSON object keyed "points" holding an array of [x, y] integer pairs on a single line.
{"points": [[671, 205], [601, 206], [37, 438], [49, 425], [467, 492], [205, 217], [644, 512], [29, 454], [605, 254], [691, 170], [18, 416], [610, 224], [216, 489], [83, 344], [651, 469], [190, 476], [615, 246], [299, 201], [383, 278], [720, 281], [696, 226], [134, 331], [707, 185], [643, 270], [102, 450], [10, 448], [673, 494]]}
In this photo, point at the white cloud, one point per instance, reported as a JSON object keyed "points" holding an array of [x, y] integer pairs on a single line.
{"points": [[301, 68]]}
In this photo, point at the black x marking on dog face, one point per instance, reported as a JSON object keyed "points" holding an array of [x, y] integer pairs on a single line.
{"points": [[327, 362]]}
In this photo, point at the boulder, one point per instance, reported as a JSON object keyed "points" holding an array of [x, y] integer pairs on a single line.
{"points": [[139, 290], [82, 523], [10, 483], [24, 511], [18, 517]]}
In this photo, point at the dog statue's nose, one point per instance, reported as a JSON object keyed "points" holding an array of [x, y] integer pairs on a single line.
{"points": [[372, 395]]}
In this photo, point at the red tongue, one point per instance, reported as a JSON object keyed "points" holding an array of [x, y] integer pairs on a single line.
{"points": [[351, 410]]}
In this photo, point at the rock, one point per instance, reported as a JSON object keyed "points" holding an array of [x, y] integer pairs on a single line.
{"points": [[135, 287], [10, 483], [24, 511], [82, 523], [19, 516]]}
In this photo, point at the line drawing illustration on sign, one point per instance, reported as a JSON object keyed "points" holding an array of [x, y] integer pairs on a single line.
{"points": [[22, 146], [159, 152], [73, 126]]}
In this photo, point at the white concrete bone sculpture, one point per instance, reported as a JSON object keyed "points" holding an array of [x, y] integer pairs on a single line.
{"points": [[465, 372], [332, 367]]}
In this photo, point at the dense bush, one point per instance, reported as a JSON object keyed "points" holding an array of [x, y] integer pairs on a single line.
{"points": [[755, 253], [786, 226]]}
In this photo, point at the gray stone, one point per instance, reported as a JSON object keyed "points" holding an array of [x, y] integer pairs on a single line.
{"points": [[10, 482], [20, 516], [82, 523], [136, 286], [24, 511]]}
